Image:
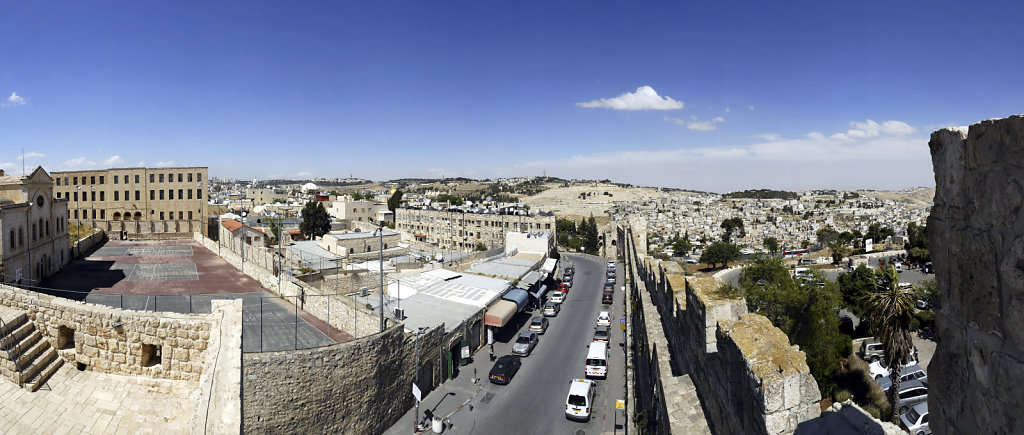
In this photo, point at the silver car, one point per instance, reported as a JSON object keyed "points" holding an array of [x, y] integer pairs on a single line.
{"points": [[525, 343], [911, 393]]}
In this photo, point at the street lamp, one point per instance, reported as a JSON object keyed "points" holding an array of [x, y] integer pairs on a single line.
{"points": [[92, 202], [202, 216], [416, 366], [78, 211], [380, 229]]}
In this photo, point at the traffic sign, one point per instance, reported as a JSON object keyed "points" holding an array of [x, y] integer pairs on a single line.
{"points": [[416, 392], [620, 404]]}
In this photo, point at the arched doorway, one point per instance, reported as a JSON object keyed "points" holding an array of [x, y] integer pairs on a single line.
{"points": [[117, 216], [426, 382], [474, 335]]}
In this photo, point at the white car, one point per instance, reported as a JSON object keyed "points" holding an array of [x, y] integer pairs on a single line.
{"points": [[916, 419], [603, 319], [579, 403], [557, 297], [879, 370]]}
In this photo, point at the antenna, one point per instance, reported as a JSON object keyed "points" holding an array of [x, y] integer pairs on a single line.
{"points": [[23, 161]]}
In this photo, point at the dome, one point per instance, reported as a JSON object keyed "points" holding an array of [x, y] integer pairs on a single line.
{"points": [[308, 186]]}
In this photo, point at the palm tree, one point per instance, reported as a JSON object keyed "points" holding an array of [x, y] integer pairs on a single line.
{"points": [[839, 250], [889, 311]]}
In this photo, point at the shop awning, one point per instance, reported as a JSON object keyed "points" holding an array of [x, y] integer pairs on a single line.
{"points": [[519, 296], [539, 293], [500, 313], [549, 266]]}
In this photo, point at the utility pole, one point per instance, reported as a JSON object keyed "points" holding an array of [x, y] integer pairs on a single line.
{"points": [[78, 215], [92, 202], [380, 227]]}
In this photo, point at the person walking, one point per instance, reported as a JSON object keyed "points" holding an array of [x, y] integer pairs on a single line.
{"points": [[492, 351]]}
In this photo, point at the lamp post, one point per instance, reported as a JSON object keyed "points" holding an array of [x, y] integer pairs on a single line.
{"points": [[202, 216], [416, 366], [78, 217], [380, 228]]}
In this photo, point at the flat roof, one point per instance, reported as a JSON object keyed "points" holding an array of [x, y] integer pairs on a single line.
{"points": [[312, 255], [505, 267]]}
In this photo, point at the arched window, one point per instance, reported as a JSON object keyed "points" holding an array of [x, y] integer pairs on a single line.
{"points": [[33, 232], [117, 216], [47, 228], [138, 216], [14, 240], [21, 236]]}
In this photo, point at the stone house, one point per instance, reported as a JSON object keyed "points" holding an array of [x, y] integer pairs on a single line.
{"points": [[33, 226]]}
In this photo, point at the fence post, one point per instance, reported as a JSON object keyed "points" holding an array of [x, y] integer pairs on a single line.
{"points": [[261, 323], [295, 339], [190, 304]]}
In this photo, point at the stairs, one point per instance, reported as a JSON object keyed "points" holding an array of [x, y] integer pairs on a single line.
{"points": [[25, 356]]}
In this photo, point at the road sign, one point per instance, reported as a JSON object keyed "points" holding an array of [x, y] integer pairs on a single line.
{"points": [[416, 392], [620, 404], [622, 323]]}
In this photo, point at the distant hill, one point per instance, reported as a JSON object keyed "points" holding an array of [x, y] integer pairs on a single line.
{"points": [[761, 194]]}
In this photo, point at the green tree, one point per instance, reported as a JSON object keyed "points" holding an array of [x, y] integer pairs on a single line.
{"points": [[454, 199], [855, 286], [732, 226], [839, 250], [315, 220], [395, 200], [720, 252], [681, 246], [772, 244], [826, 237], [889, 311], [275, 230], [928, 290], [591, 244], [877, 233]]}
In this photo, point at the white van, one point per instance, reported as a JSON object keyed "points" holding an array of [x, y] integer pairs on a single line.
{"points": [[580, 401], [801, 272], [597, 360]]}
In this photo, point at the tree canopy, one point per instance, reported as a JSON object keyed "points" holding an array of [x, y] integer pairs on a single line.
{"points": [[889, 310], [733, 226], [720, 252], [772, 244], [395, 200], [315, 220]]}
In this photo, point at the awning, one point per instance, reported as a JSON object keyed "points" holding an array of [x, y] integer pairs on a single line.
{"points": [[549, 266], [499, 313], [539, 293], [519, 296]]}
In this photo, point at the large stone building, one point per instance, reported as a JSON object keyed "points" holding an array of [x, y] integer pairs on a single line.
{"points": [[34, 228], [359, 213], [463, 229], [136, 201]]}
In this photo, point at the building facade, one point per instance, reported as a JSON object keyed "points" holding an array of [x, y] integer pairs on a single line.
{"points": [[34, 229], [360, 213], [134, 201], [464, 230]]}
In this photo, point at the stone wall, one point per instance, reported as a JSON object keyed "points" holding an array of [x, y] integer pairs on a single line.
{"points": [[749, 378], [358, 387], [976, 235], [111, 340], [219, 408]]}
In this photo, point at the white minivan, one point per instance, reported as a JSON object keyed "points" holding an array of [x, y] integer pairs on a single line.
{"points": [[597, 360]]}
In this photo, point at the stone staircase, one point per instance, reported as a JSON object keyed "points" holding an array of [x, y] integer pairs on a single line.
{"points": [[26, 357]]}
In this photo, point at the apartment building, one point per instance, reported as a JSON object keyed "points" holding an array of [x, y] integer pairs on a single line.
{"points": [[134, 202], [464, 229], [33, 226], [359, 213]]}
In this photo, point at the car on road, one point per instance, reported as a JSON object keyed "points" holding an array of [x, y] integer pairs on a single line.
{"points": [[922, 304], [557, 297], [908, 373], [525, 343], [570, 269], [915, 420], [607, 297], [602, 333], [504, 369], [927, 268], [609, 286], [610, 281], [911, 393], [604, 319], [563, 287], [611, 273], [871, 350], [551, 309], [880, 369], [580, 400], [539, 325], [566, 280], [611, 264], [596, 365]]}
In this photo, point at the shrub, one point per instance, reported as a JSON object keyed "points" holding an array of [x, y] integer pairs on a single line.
{"points": [[842, 396], [873, 410], [915, 324], [925, 318]]}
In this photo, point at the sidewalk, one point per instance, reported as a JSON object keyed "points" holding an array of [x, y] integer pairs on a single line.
{"points": [[453, 396]]}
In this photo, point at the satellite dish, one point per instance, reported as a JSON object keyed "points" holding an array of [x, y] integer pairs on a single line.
{"points": [[438, 257]]}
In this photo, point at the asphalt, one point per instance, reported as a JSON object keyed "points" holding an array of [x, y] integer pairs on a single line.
{"points": [[534, 401]]}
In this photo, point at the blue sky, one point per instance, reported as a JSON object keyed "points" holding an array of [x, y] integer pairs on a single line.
{"points": [[714, 96]]}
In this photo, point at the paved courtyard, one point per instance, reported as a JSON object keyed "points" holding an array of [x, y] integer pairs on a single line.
{"points": [[182, 276], [98, 403]]}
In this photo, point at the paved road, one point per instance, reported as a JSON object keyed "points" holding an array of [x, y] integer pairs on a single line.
{"points": [[534, 402]]}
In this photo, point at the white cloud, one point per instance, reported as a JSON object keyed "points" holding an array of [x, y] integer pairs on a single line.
{"points": [[750, 107], [702, 125], [141, 164], [871, 128], [645, 98], [14, 100], [890, 159], [727, 110], [165, 164], [113, 161], [7, 166], [31, 154], [76, 164], [770, 137], [304, 174]]}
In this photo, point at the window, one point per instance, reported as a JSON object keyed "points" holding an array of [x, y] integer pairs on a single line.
{"points": [[126, 179], [150, 355], [181, 215], [170, 193], [161, 178], [180, 196], [14, 240], [180, 176], [65, 181], [161, 215], [65, 338], [115, 179], [161, 194], [189, 217], [102, 196], [189, 177], [136, 195], [152, 195], [152, 178], [76, 214], [190, 194], [47, 228], [33, 232], [199, 194], [126, 195], [136, 179], [92, 179], [94, 213], [76, 180], [103, 214], [21, 236], [93, 196], [76, 196], [199, 177], [58, 181], [101, 179]]}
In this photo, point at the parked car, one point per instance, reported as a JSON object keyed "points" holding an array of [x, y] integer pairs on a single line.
{"points": [[922, 304], [539, 325], [570, 269], [604, 319], [551, 309], [913, 372], [504, 369], [567, 281], [607, 297], [871, 350], [911, 393], [580, 400], [915, 420], [563, 287], [557, 297], [602, 333], [880, 369], [611, 273], [611, 264], [609, 287], [525, 343]]}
